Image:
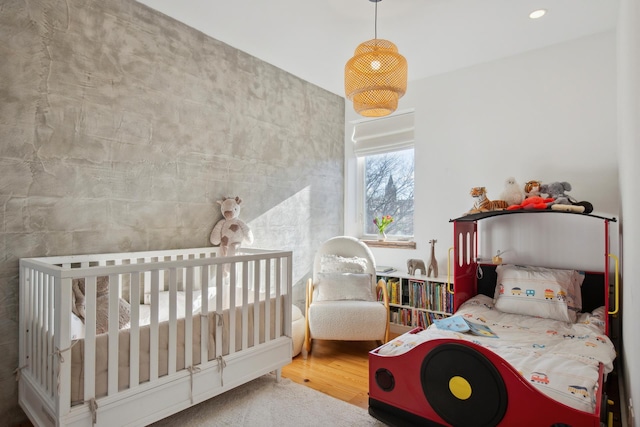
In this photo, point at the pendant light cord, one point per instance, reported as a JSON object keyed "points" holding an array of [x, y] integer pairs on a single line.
{"points": [[375, 25]]}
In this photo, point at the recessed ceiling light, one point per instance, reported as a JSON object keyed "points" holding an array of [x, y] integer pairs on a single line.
{"points": [[537, 13]]}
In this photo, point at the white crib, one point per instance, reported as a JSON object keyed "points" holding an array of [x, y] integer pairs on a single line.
{"points": [[154, 368]]}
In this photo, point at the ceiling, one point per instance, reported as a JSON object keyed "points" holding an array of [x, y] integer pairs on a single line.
{"points": [[314, 39]]}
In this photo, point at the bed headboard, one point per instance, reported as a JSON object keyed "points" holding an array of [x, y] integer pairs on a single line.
{"points": [[593, 292]]}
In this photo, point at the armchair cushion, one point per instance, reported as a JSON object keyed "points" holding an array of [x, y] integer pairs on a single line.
{"points": [[348, 320], [344, 286], [330, 263]]}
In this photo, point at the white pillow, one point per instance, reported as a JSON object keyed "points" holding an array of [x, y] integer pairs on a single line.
{"points": [[538, 291], [337, 264], [344, 286]]}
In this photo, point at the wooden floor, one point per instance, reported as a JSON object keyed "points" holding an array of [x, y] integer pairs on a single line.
{"points": [[337, 368]]}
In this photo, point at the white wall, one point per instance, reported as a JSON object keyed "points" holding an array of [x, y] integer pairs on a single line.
{"points": [[549, 114], [629, 154]]}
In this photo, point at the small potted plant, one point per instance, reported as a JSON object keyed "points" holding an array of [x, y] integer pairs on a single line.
{"points": [[382, 224]]}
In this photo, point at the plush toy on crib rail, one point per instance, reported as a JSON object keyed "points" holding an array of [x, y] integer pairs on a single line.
{"points": [[230, 232]]}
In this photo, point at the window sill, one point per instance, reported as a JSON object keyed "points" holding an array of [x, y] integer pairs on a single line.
{"points": [[392, 244]]}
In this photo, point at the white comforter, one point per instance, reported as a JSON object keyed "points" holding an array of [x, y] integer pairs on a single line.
{"points": [[560, 359]]}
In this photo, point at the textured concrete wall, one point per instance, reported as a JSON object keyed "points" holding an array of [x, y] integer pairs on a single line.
{"points": [[120, 128]]}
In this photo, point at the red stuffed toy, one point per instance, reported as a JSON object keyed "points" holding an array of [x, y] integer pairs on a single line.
{"points": [[535, 202]]}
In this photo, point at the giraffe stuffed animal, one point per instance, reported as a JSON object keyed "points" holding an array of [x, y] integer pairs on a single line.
{"points": [[433, 262]]}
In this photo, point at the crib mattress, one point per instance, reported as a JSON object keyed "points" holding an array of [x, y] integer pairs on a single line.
{"points": [[560, 359], [124, 336]]}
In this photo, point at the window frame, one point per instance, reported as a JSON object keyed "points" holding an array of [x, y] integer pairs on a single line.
{"points": [[379, 136]]}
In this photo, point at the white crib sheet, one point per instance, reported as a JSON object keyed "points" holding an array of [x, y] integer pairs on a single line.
{"points": [[559, 359]]}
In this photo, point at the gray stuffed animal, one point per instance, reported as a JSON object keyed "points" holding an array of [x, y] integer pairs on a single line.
{"points": [[562, 201], [556, 191]]}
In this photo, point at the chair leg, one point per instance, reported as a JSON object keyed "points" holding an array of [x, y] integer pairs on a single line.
{"points": [[307, 344], [306, 348]]}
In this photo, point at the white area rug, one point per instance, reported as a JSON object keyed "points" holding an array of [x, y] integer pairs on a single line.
{"points": [[266, 403]]}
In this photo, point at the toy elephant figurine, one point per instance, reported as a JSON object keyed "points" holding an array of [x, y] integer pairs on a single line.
{"points": [[416, 264]]}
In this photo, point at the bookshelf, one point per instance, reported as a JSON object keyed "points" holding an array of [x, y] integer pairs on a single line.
{"points": [[415, 300]]}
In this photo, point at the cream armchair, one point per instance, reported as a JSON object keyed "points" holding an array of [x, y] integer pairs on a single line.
{"points": [[341, 297]]}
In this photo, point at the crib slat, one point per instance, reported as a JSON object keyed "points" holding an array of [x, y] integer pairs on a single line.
{"points": [[219, 308], [50, 338], [90, 338], [37, 328], [267, 300], [134, 331], [245, 305], [288, 280], [173, 322], [232, 308], [31, 321], [114, 326], [188, 322], [256, 302], [204, 314], [278, 286], [49, 349], [23, 313], [33, 324], [153, 331], [42, 327], [45, 331], [62, 343]]}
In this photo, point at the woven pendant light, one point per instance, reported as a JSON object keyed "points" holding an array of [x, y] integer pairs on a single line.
{"points": [[376, 77]]}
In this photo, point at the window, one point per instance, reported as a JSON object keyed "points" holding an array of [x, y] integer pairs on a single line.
{"points": [[388, 190], [384, 148]]}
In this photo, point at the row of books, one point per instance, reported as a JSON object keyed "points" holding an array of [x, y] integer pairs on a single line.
{"points": [[419, 294], [408, 317], [401, 316], [395, 292], [430, 296]]}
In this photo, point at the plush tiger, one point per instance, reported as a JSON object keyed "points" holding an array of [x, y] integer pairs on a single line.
{"points": [[483, 204], [532, 188]]}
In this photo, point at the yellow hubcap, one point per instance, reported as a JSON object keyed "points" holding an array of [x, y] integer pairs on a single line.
{"points": [[460, 387]]}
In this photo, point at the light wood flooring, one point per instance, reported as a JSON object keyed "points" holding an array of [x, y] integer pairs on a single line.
{"points": [[337, 368]]}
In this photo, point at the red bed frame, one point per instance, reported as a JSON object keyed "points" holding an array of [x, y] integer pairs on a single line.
{"points": [[422, 386]]}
